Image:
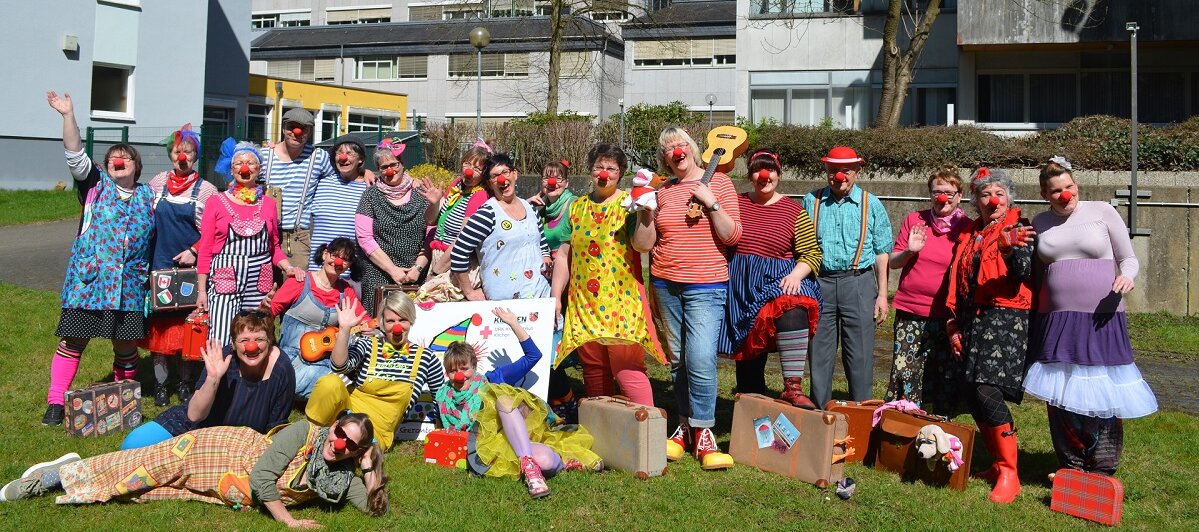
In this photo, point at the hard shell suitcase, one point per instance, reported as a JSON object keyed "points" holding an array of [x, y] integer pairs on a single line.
{"points": [[1091, 496], [628, 436], [861, 422], [772, 435], [103, 408], [446, 448], [893, 448], [195, 335]]}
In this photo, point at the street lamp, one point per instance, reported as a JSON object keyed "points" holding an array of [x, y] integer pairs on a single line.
{"points": [[620, 102], [711, 101], [479, 38], [276, 132], [1133, 230]]}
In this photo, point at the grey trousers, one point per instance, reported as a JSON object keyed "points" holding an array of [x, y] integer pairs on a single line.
{"points": [[847, 316]]}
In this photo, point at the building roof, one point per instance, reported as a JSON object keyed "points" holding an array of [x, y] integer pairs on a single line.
{"points": [[436, 37], [705, 18]]}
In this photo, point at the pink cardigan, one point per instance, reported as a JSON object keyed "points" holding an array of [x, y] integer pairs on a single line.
{"points": [[214, 228]]}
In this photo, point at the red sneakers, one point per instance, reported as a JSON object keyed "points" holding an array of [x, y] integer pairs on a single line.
{"points": [[708, 453], [533, 477], [678, 443]]}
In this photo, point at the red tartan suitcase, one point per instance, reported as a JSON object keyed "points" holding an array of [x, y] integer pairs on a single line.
{"points": [[860, 415], [1091, 496]]}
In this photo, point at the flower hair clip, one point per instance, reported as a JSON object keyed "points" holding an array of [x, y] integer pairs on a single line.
{"points": [[982, 173], [397, 148], [566, 163], [1061, 161]]}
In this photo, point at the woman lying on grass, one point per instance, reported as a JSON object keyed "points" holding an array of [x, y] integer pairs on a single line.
{"points": [[234, 466]]}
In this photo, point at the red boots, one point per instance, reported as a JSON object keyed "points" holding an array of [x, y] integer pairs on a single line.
{"points": [[793, 393], [1001, 442]]}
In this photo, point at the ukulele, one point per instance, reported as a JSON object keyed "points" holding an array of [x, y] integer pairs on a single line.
{"points": [[317, 345], [725, 145]]}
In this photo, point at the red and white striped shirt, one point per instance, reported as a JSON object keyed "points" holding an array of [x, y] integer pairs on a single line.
{"points": [[688, 251]]}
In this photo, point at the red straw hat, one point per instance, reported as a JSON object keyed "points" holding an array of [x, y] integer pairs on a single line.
{"points": [[842, 155]]}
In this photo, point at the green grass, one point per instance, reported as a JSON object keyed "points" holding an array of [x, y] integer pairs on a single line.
{"points": [[1159, 473], [1175, 336], [29, 206]]}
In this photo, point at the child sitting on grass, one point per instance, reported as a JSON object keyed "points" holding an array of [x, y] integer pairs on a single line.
{"points": [[513, 433]]}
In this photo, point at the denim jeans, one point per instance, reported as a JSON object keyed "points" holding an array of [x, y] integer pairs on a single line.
{"points": [[694, 318]]}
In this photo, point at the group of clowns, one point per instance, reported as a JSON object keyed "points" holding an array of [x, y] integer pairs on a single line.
{"points": [[986, 309]]}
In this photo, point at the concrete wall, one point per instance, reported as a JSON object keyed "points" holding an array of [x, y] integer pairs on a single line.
{"points": [[168, 83], [985, 22], [690, 85], [228, 46], [1169, 277]]}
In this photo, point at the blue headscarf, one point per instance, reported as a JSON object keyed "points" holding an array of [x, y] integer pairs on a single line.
{"points": [[229, 149]]}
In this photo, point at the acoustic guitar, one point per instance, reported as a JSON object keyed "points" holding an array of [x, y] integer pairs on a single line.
{"points": [[725, 145], [317, 345]]}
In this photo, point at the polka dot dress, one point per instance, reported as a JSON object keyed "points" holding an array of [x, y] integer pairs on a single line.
{"points": [[400, 232]]}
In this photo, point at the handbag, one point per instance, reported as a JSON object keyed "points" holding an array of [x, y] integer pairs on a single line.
{"points": [[195, 335], [173, 289], [892, 448]]}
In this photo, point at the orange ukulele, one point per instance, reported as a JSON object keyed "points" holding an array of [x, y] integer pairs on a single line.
{"points": [[316, 345], [725, 145]]}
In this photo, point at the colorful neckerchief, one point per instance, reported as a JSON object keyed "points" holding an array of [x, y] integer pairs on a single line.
{"points": [[942, 224], [177, 184], [399, 192], [456, 193], [554, 209], [246, 194], [328, 481], [459, 407]]}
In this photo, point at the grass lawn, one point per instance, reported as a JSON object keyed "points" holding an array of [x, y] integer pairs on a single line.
{"points": [[1173, 336], [1159, 473], [29, 206]]}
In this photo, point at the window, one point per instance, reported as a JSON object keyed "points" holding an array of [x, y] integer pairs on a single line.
{"points": [[369, 122], [280, 20], [575, 64], [785, 8], [1054, 98], [319, 70], [256, 121], [842, 98], [446, 12], [495, 65], [392, 68], [358, 16], [111, 90], [294, 20], [685, 52], [1001, 98], [258, 21], [610, 9], [327, 126], [928, 106]]}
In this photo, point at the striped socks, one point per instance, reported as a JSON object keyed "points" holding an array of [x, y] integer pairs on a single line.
{"points": [[124, 365], [793, 352]]}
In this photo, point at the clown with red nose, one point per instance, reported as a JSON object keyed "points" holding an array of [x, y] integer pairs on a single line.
{"points": [[384, 368], [331, 213]]}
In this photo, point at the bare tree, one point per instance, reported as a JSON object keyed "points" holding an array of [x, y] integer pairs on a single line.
{"points": [[899, 65], [565, 12]]}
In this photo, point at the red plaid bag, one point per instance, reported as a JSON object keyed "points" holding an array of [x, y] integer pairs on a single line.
{"points": [[1091, 496]]}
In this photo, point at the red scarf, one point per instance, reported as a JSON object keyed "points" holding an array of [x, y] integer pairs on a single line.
{"points": [[995, 287], [177, 184]]}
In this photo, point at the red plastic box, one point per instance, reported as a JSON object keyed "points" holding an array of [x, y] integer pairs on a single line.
{"points": [[446, 448]]}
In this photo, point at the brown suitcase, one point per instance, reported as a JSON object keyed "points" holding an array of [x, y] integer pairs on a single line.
{"points": [[628, 436], [103, 408], [893, 449], [818, 450], [861, 423]]}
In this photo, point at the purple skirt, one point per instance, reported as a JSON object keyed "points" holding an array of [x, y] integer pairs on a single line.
{"points": [[1078, 319]]}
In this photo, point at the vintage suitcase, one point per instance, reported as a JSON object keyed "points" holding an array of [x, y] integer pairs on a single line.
{"points": [[628, 436], [446, 448], [173, 289], [892, 448], [860, 415], [410, 289], [103, 408], [772, 435], [195, 335], [1091, 496]]}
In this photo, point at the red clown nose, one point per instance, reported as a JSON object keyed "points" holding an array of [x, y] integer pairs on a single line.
{"points": [[397, 329], [339, 263], [251, 348], [841, 177], [551, 183], [941, 199], [244, 170], [390, 172], [501, 181], [297, 131], [603, 175], [182, 158], [343, 158], [458, 376], [678, 153], [468, 173], [1066, 196], [994, 201], [339, 444], [118, 163], [763, 175]]}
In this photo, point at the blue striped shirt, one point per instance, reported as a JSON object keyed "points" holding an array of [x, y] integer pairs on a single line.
{"points": [[290, 177], [332, 214], [839, 227]]}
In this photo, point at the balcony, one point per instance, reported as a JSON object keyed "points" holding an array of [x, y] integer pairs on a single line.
{"points": [[1007, 22]]}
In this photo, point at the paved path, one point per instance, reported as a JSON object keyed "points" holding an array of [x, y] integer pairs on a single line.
{"points": [[35, 256]]}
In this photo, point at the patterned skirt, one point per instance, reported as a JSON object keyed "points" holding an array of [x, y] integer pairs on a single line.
{"points": [[995, 349], [755, 300], [495, 454], [111, 324], [923, 369]]}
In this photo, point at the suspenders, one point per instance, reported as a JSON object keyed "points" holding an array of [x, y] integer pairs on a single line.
{"points": [[824, 192]]}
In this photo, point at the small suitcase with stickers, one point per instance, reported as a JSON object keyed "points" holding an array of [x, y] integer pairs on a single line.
{"points": [[772, 435]]}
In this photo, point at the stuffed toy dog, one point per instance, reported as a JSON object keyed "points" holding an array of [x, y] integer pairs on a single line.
{"points": [[934, 444], [643, 196]]}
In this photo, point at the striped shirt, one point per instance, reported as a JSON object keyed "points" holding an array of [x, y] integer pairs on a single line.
{"points": [[689, 251], [332, 214], [780, 230], [429, 377], [839, 225], [290, 177], [477, 228]]}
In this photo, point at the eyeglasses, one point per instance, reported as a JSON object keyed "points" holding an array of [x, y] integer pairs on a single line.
{"points": [[509, 171], [351, 445], [396, 165], [609, 169], [950, 193]]}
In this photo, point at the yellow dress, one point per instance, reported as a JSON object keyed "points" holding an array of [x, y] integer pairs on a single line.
{"points": [[491, 444], [607, 300]]}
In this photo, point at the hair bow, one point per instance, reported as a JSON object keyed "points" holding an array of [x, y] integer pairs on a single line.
{"points": [[1061, 161], [566, 163], [397, 148], [480, 143]]}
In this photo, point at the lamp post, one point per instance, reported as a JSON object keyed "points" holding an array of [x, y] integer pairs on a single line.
{"points": [[276, 126], [711, 101], [1133, 195], [620, 102], [479, 38]]}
